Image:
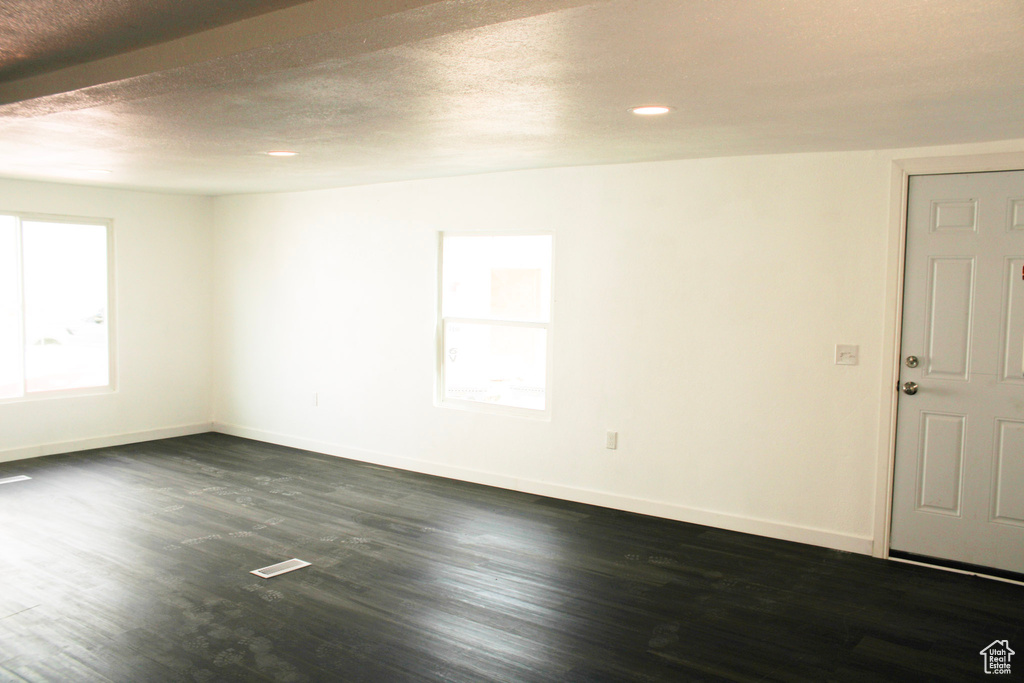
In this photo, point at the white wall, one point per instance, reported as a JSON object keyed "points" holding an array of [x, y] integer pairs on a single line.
{"points": [[698, 304], [163, 302], [697, 308]]}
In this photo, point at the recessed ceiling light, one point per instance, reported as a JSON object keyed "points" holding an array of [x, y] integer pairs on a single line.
{"points": [[651, 110], [100, 171], [282, 153]]}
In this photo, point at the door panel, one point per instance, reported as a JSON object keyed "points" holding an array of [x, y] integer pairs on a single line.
{"points": [[940, 466], [951, 303], [1008, 489], [1011, 337], [955, 216], [1017, 214], [958, 484]]}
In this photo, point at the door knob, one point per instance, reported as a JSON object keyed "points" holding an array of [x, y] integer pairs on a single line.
{"points": [[910, 388], [912, 361]]}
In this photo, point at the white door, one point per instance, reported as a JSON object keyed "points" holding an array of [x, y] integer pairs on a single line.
{"points": [[958, 489]]}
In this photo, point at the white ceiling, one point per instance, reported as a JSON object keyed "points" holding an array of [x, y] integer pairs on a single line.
{"points": [[383, 90]]}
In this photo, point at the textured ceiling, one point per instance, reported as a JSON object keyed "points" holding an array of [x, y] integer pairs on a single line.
{"points": [[44, 35], [401, 89]]}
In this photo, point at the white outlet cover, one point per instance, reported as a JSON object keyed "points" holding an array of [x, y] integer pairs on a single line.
{"points": [[847, 354]]}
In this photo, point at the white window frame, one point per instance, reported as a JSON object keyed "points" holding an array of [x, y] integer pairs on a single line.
{"points": [[477, 406], [111, 385]]}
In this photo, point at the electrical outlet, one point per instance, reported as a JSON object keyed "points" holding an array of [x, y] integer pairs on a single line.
{"points": [[611, 440]]}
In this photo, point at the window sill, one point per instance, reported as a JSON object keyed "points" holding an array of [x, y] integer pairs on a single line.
{"points": [[494, 409]]}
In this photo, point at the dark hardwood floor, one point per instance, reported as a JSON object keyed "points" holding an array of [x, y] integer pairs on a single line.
{"points": [[132, 564]]}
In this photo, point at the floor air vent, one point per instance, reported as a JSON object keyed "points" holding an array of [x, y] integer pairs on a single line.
{"points": [[11, 480], [280, 568]]}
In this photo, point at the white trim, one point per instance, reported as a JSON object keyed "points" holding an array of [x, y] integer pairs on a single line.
{"points": [[507, 322], [22, 334], [54, 394], [111, 322], [902, 169], [760, 527], [448, 403], [444, 402], [103, 441], [956, 571], [112, 298]]}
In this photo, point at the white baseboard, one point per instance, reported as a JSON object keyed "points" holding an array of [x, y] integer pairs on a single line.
{"points": [[759, 527], [103, 441]]}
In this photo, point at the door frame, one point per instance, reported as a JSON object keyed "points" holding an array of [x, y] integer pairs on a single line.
{"points": [[902, 169]]}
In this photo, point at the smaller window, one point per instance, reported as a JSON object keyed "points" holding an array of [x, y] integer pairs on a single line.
{"points": [[495, 320], [54, 306]]}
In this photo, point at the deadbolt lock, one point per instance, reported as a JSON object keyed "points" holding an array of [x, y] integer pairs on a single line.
{"points": [[912, 361]]}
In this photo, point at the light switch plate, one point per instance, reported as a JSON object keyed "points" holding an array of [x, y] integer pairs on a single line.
{"points": [[847, 354]]}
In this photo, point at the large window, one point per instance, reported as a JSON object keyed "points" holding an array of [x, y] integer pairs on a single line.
{"points": [[54, 306], [495, 320]]}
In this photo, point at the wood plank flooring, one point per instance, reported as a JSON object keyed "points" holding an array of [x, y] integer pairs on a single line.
{"points": [[132, 564]]}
